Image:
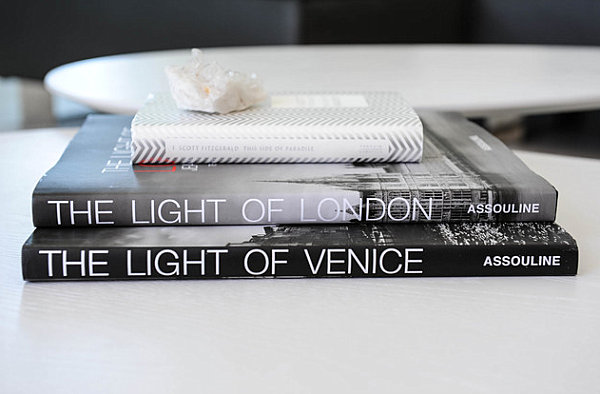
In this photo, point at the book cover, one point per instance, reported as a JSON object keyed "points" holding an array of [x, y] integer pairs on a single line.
{"points": [[299, 251], [286, 128], [466, 175]]}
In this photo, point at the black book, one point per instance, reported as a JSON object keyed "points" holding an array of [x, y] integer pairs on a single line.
{"points": [[466, 174], [298, 251]]}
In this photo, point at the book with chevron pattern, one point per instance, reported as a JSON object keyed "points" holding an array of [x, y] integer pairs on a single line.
{"points": [[466, 175], [287, 128]]}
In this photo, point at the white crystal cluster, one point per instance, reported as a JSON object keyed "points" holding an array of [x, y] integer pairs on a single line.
{"points": [[208, 87]]}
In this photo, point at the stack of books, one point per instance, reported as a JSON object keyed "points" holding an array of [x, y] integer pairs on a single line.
{"points": [[399, 196]]}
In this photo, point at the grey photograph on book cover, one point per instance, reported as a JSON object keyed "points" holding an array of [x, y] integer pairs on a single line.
{"points": [[466, 174], [340, 235]]}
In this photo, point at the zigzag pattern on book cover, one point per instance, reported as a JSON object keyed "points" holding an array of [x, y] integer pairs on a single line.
{"points": [[401, 148], [387, 120], [383, 109]]}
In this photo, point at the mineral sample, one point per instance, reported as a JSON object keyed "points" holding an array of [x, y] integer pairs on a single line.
{"points": [[208, 87]]}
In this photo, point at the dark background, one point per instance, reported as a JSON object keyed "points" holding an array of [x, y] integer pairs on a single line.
{"points": [[36, 36], [39, 35]]}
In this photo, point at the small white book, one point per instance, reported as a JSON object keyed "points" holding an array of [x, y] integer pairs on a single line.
{"points": [[287, 128]]}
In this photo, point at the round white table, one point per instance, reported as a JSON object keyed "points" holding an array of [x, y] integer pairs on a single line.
{"points": [[519, 334], [477, 80]]}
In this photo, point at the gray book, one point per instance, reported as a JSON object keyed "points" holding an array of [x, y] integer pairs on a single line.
{"points": [[466, 174]]}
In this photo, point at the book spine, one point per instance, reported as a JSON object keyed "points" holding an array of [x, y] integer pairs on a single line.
{"points": [[326, 146], [122, 262], [171, 209]]}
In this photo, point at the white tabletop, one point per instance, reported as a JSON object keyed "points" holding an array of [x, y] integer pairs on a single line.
{"points": [[477, 80], [520, 334]]}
